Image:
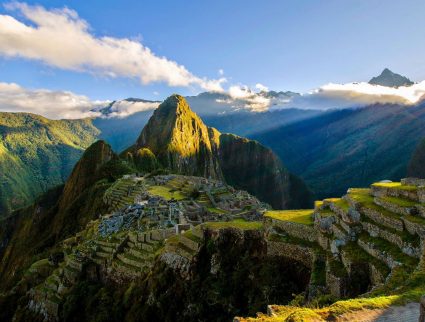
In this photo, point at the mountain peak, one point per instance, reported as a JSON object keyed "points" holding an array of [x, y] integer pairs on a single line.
{"points": [[174, 104], [179, 139], [390, 79]]}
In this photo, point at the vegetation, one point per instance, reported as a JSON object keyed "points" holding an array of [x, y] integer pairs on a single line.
{"points": [[37, 154], [396, 185], [304, 217], [166, 192], [240, 224], [340, 149]]}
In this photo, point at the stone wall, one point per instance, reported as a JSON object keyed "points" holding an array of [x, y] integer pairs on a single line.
{"points": [[395, 208], [336, 285], [162, 234], [378, 254], [414, 228], [379, 191], [395, 239], [389, 222], [375, 274], [302, 254], [413, 182], [293, 229]]}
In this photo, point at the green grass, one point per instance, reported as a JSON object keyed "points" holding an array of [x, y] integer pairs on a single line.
{"points": [[240, 224], [363, 197], [358, 255], [304, 216], [396, 185], [399, 201], [404, 235], [189, 234], [216, 210], [391, 249], [341, 203], [166, 192], [415, 219], [325, 213]]}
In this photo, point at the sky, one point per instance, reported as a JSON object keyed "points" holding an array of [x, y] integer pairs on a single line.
{"points": [[108, 50]]}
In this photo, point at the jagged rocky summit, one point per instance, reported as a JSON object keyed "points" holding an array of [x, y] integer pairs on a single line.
{"points": [[390, 79], [177, 139]]}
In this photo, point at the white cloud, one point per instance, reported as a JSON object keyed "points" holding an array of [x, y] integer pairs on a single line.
{"points": [[241, 97], [221, 72], [336, 96], [51, 104], [261, 87], [125, 108], [329, 96], [62, 39]]}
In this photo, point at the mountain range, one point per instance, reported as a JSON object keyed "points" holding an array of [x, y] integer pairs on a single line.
{"points": [[357, 146]]}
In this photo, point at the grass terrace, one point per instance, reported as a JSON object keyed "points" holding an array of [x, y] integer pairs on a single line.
{"points": [[399, 201], [363, 197], [304, 216], [339, 202], [389, 248], [166, 192], [395, 185], [216, 210], [237, 223]]}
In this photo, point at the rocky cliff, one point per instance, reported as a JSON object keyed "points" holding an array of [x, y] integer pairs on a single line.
{"points": [[182, 143]]}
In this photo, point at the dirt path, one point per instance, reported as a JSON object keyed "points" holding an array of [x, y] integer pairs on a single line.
{"points": [[406, 313]]}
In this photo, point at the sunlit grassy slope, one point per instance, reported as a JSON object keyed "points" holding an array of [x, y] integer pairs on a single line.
{"points": [[37, 154]]}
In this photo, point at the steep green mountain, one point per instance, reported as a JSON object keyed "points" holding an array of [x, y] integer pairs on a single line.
{"points": [[416, 166], [180, 141], [37, 154], [390, 79], [59, 213], [346, 148]]}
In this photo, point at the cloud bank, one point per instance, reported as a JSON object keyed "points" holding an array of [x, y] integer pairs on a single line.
{"points": [[60, 38], [126, 108], [329, 96], [51, 104]]}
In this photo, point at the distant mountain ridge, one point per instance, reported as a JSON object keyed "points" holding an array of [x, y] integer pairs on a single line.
{"points": [[390, 79], [37, 154], [349, 148]]}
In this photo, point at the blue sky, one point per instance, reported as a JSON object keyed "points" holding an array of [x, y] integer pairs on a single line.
{"points": [[286, 45]]}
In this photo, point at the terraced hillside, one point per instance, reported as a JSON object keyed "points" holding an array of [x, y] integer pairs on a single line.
{"points": [[153, 221], [368, 243], [174, 247]]}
